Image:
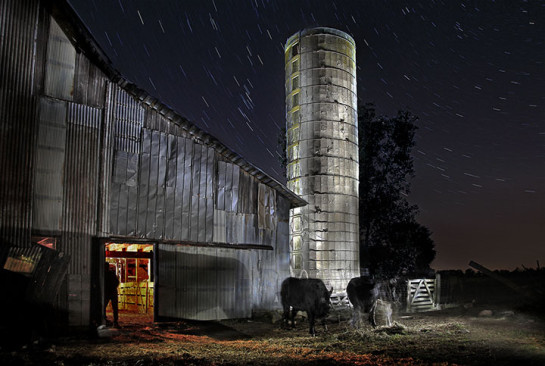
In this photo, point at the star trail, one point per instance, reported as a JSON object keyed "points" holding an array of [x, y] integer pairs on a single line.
{"points": [[473, 71]]}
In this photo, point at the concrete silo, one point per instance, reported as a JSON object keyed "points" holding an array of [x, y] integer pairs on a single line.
{"points": [[322, 151]]}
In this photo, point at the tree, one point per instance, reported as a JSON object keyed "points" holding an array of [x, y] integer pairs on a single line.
{"points": [[392, 243]]}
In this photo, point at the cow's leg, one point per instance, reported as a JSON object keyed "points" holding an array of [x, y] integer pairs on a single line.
{"points": [[311, 319], [356, 316], [388, 311], [372, 313], [286, 316], [293, 314], [324, 324]]}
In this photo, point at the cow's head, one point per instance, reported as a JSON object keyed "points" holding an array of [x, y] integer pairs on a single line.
{"points": [[323, 306]]}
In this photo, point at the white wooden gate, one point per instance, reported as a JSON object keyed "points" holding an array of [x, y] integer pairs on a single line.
{"points": [[422, 294]]}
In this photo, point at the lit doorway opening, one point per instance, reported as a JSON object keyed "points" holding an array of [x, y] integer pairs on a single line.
{"points": [[133, 265]]}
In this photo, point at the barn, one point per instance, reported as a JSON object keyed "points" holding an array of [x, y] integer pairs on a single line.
{"points": [[97, 171]]}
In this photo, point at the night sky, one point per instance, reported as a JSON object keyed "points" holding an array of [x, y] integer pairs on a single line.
{"points": [[473, 71]]}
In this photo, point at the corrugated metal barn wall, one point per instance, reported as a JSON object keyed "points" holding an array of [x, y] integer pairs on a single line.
{"points": [[67, 163], [171, 187], [18, 22], [84, 159], [206, 283]]}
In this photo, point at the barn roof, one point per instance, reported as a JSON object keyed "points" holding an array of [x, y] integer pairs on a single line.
{"points": [[84, 42]]}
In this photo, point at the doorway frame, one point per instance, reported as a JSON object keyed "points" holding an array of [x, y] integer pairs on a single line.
{"points": [[97, 274]]}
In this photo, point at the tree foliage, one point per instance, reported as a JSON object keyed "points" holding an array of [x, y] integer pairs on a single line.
{"points": [[392, 242]]}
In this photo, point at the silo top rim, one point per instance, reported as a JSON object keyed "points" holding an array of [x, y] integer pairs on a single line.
{"points": [[320, 30]]}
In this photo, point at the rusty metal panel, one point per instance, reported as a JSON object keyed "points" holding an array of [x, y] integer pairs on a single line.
{"points": [[49, 165], [60, 65]]}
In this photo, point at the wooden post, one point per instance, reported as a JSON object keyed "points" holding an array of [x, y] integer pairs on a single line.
{"points": [[437, 291]]}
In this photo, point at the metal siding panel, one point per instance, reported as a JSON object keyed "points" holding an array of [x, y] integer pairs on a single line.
{"points": [[236, 177], [60, 64], [161, 183], [165, 283], [219, 226], [143, 186], [194, 225], [81, 173], [179, 184], [244, 189], [170, 190], [186, 211], [132, 193], [106, 170], [153, 192], [203, 171], [202, 194], [18, 27], [210, 172], [95, 88], [77, 247], [194, 219], [229, 187], [190, 286], [49, 165], [81, 78], [220, 201], [116, 202], [209, 220], [226, 284], [202, 220], [207, 280]]}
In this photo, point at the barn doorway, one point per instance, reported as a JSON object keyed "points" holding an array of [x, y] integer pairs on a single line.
{"points": [[133, 264]]}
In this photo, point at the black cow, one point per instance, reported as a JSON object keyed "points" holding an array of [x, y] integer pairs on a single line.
{"points": [[308, 294], [365, 294]]}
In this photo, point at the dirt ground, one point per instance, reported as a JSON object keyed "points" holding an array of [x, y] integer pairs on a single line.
{"points": [[452, 336]]}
